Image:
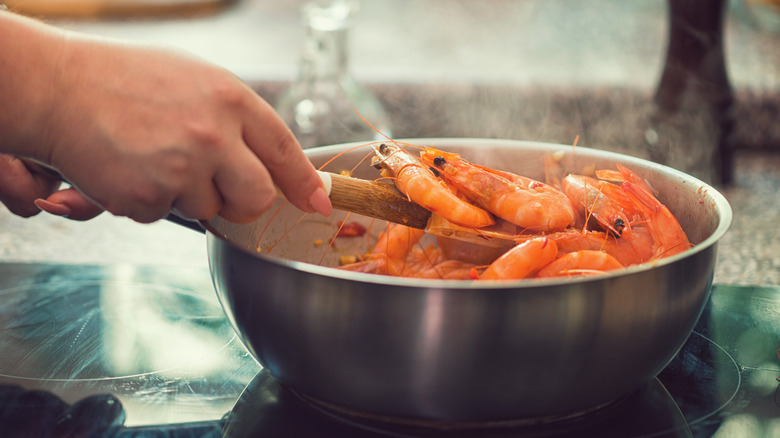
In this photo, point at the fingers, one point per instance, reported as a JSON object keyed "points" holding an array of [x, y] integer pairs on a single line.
{"points": [[23, 187], [201, 201], [277, 148], [53, 207], [69, 203], [245, 185], [20, 186]]}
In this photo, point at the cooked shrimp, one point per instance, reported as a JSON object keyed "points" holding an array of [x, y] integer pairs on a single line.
{"points": [[396, 242], [396, 253], [430, 262], [445, 269], [375, 265], [633, 226], [417, 182], [668, 236], [584, 262], [389, 255], [603, 201], [395, 245], [523, 260], [628, 250], [522, 201]]}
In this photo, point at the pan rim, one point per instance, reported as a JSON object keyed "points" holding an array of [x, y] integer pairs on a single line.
{"points": [[709, 194]]}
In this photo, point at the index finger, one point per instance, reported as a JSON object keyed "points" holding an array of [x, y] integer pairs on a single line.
{"points": [[273, 142]]}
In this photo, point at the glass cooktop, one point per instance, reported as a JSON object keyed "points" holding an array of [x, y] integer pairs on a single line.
{"points": [[131, 351]]}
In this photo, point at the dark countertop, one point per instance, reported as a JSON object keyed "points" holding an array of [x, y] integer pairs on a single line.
{"points": [[749, 253]]}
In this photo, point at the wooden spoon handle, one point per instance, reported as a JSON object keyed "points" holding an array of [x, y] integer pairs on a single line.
{"points": [[374, 199], [369, 198]]}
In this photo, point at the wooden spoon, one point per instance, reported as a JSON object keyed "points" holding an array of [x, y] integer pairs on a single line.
{"points": [[386, 202], [369, 198], [373, 199], [377, 200]]}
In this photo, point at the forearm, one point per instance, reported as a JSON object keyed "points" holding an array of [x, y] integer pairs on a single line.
{"points": [[29, 57]]}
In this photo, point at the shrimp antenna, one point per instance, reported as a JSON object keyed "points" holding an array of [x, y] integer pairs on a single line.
{"points": [[372, 126]]}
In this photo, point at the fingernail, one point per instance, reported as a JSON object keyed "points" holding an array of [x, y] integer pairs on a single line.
{"points": [[53, 208], [320, 202]]}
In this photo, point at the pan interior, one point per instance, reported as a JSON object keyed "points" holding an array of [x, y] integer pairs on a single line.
{"points": [[285, 233]]}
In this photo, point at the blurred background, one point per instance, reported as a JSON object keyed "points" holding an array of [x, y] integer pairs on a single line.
{"points": [[546, 70], [694, 83]]}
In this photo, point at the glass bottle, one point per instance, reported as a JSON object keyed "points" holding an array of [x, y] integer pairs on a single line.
{"points": [[322, 107]]}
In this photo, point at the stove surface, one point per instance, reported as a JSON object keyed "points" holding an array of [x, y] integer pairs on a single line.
{"points": [[129, 351]]}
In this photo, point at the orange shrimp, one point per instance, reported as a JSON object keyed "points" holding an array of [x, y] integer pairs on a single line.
{"points": [[603, 201], [443, 269], [395, 254], [522, 201], [583, 262], [523, 260], [430, 262], [372, 265], [417, 182], [634, 227], [628, 250], [389, 255], [395, 245], [396, 242], [668, 237]]}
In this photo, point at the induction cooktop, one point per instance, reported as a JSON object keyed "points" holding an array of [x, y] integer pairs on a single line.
{"points": [[145, 351]]}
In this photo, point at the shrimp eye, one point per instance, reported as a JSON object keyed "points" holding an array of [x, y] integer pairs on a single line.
{"points": [[619, 224], [378, 165], [435, 172], [382, 148], [439, 161]]}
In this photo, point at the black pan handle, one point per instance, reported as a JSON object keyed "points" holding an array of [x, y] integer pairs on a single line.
{"points": [[185, 222]]}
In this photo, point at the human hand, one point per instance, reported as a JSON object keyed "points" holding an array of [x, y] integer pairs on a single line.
{"points": [[26, 189], [21, 184], [141, 131]]}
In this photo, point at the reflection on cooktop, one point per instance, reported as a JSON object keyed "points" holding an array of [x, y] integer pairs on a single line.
{"points": [[126, 351], [104, 330], [159, 343]]}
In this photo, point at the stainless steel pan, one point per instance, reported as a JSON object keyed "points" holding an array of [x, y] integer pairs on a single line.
{"points": [[450, 351]]}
